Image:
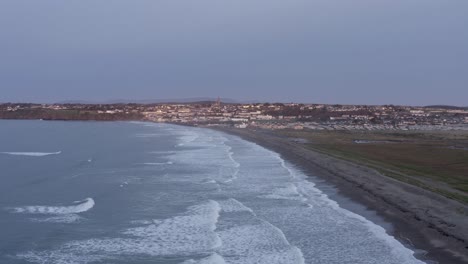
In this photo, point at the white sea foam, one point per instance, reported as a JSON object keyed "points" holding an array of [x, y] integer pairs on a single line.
{"points": [[198, 223], [142, 222], [403, 254], [79, 207], [208, 181], [253, 243], [234, 162], [298, 188], [146, 222], [233, 205], [213, 259], [290, 192], [187, 137], [259, 243], [283, 164], [66, 218], [46, 257], [190, 233], [157, 163], [32, 154], [227, 231], [307, 189], [231, 157]]}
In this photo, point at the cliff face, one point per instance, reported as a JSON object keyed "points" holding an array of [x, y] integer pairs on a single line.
{"points": [[49, 114]]}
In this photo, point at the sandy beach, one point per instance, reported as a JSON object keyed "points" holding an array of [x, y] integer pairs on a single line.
{"points": [[423, 219]]}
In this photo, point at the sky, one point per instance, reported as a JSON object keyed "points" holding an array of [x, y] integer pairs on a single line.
{"points": [[407, 52]]}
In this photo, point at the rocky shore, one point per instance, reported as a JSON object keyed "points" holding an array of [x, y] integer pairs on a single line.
{"points": [[428, 221]]}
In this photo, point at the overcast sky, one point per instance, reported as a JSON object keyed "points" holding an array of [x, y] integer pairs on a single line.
{"points": [[327, 51]]}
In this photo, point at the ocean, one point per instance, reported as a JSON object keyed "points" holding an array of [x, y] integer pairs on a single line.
{"points": [[130, 192]]}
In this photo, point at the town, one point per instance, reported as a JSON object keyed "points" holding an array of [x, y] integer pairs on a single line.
{"points": [[260, 115]]}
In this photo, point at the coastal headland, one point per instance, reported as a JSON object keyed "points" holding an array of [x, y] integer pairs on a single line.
{"points": [[434, 222]]}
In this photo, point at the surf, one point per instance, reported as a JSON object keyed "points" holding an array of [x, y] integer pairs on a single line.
{"points": [[32, 154], [79, 207]]}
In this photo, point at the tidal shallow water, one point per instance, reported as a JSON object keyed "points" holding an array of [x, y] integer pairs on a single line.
{"points": [[123, 192]]}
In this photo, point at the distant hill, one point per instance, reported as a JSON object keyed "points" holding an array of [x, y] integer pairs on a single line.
{"points": [[157, 101], [76, 102], [448, 107]]}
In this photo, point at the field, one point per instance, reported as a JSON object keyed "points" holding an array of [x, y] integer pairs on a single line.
{"points": [[434, 160]]}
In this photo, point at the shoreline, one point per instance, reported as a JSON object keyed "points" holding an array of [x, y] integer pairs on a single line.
{"points": [[421, 220]]}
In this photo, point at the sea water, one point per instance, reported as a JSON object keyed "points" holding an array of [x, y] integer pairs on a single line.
{"points": [[122, 192]]}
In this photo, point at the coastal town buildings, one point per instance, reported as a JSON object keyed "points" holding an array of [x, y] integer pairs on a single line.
{"points": [[261, 115]]}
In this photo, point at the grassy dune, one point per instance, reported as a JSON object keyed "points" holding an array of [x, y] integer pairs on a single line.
{"points": [[434, 160]]}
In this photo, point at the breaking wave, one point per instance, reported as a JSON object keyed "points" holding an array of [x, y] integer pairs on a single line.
{"points": [[156, 163], [32, 154], [233, 205], [78, 207], [283, 213], [65, 219], [190, 233]]}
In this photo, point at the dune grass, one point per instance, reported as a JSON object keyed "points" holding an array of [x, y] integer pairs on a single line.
{"points": [[437, 161]]}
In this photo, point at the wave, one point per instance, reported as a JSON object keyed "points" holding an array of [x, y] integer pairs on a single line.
{"points": [[198, 223], [192, 232], [291, 214], [213, 259], [258, 243], [209, 181], [233, 205], [306, 191], [78, 207], [32, 154], [66, 218], [58, 257], [290, 192], [187, 138], [234, 162], [156, 163]]}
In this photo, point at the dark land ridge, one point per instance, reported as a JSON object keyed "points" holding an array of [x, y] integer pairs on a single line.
{"points": [[264, 115]]}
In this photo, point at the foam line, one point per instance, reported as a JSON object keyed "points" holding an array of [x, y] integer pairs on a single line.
{"points": [[261, 243], [208, 181], [32, 154], [81, 207], [187, 234], [234, 162], [156, 163], [290, 192], [308, 189], [66, 219], [213, 259], [233, 205]]}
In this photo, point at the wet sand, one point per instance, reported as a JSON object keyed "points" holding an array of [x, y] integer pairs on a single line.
{"points": [[422, 219]]}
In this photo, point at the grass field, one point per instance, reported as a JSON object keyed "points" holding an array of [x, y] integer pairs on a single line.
{"points": [[435, 160]]}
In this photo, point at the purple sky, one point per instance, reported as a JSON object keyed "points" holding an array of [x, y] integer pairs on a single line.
{"points": [[327, 51]]}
